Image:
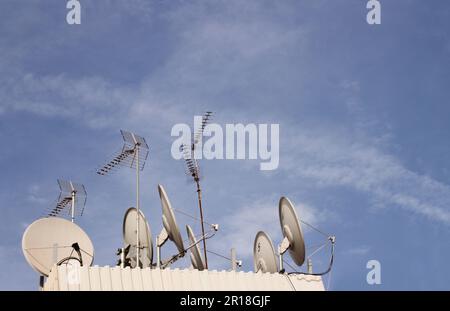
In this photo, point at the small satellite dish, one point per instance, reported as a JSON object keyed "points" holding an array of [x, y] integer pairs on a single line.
{"points": [[293, 235], [196, 258], [264, 258], [169, 221], [145, 235], [53, 240]]}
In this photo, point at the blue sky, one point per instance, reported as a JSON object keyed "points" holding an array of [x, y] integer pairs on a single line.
{"points": [[363, 113]]}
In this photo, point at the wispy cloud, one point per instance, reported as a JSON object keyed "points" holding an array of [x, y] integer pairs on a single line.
{"points": [[335, 160], [237, 40], [91, 99]]}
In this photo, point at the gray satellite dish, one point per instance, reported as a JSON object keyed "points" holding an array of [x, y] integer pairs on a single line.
{"points": [[145, 236], [292, 232], [264, 258], [196, 258], [54, 240], [170, 229]]}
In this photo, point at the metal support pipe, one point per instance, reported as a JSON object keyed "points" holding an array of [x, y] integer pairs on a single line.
{"points": [[158, 254], [309, 265], [199, 193], [122, 257], [280, 257], [41, 282], [72, 209], [233, 259], [137, 206]]}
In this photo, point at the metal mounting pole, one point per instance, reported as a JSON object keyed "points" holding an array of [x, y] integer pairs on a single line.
{"points": [[41, 282], [137, 206], [158, 255], [233, 259], [199, 193], [122, 257], [281, 262], [309, 265], [72, 209]]}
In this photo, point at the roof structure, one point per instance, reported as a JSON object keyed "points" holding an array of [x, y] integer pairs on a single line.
{"points": [[63, 278]]}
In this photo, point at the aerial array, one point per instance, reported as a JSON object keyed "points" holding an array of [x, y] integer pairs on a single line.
{"points": [[55, 238]]}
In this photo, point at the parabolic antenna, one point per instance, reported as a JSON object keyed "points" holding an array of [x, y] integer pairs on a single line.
{"points": [[130, 232], [49, 241], [169, 221], [196, 258], [264, 258], [292, 231]]}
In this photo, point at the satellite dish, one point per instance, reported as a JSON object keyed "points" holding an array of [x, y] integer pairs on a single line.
{"points": [[145, 234], [196, 258], [264, 258], [293, 235], [53, 240], [169, 221]]}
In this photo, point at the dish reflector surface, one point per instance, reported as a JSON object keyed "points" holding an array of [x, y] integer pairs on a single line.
{"points": [[130, 232], [196, 258], [264, 258], [48, 241], [169, 221], [291, 229]]}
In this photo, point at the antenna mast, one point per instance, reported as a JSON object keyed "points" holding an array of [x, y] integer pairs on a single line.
{"points": [[137, 205], [130, 156], [199, 194], [70, 193], [193, 169]]}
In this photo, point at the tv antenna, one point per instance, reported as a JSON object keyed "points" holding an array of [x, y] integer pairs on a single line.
{"points": [[133, 155], [54, 240], [193, 169], [71, 195]]}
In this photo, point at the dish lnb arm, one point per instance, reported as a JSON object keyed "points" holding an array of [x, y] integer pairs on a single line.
{"points": [[160, 240]]}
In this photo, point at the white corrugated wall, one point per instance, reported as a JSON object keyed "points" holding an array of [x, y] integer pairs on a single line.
{"points": [[118, 279]]}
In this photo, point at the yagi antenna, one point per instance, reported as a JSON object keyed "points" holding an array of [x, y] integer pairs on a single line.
{"points": [[134, 153], [199, 132], [71, 196], [193, 170]]}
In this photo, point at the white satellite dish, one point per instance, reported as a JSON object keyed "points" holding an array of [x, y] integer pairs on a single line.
{"points": [[196, 258], [264, 257], [145, 235], [170, 229], [54, 240], [292, 232]]}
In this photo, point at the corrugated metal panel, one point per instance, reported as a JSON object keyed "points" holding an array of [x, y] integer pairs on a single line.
{"points": [[95, 279], [105, 277], [115, 278]]}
